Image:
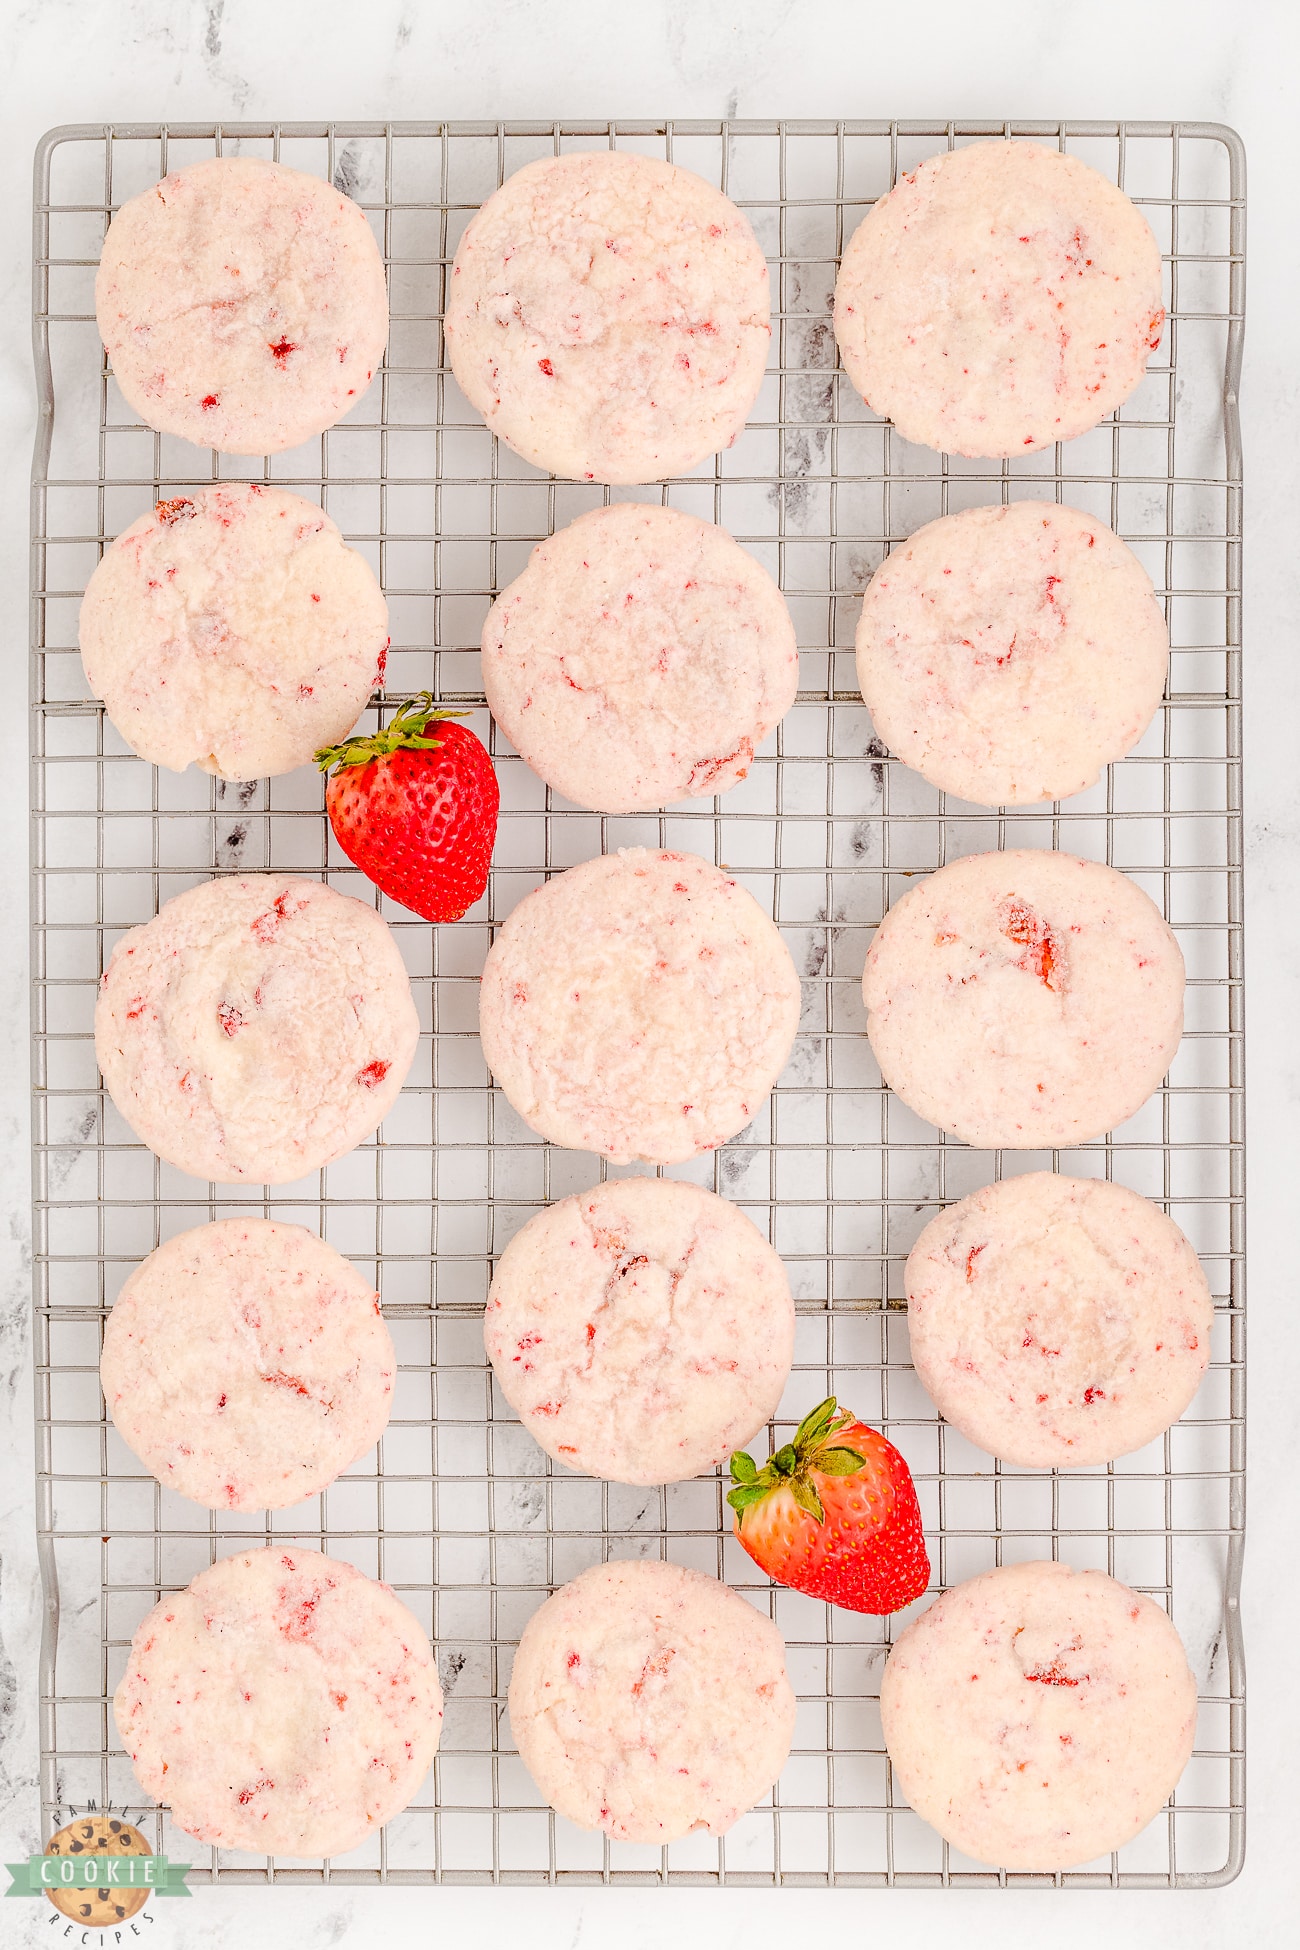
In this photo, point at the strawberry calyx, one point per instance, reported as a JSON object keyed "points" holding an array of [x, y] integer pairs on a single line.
{"points": [[815, 1449], [406, 731]]}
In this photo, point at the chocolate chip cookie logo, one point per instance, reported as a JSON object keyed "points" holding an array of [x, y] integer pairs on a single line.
{"points": [[100, 1872]]}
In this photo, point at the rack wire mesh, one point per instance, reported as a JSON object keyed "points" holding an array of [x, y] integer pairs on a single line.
{"points": [[458, 1509]]}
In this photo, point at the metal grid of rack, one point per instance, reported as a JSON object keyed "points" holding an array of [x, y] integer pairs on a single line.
{"points": [[458, 1510]]}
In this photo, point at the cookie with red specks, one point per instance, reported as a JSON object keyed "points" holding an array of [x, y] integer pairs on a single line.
{"points": [[233, 627], [282, 1703], [641, 1330], [242, 303], [1038, 1716], [247, 1364], [641, 658], [1026, 999], [257, 1028], [650, 1701], [640, 1005], [1000, 298], [609, 316], [1057, 1321], [1009, 654]]}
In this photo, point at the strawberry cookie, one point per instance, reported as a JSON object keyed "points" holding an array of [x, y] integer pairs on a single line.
{"points": [[641, 1005], [1008, 654], [650, 1701], [1057, 1321], [282, 1703], [235, 628], [1000, 298], [247, 1364], [609, 316], [242, 303], [1026, 999], [1038, 1716], [257, 1028], [641, 658], [641, 1330]]}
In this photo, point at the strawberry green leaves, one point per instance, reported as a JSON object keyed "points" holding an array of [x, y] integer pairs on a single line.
{"points": [[406, 731], [812, 1449]]}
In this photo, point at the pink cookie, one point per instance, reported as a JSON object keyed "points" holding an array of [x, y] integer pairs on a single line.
{"points": [[242, 303], [1057, 1321], [247, 1364], [609, 316], [1038, 1717], [641, 1330], [640, 658], [233, 627], [257, 1028], [1000, 298], [641, 1005], [1025, 999], [282, 1703], [1008, 654], [651, 1701]]}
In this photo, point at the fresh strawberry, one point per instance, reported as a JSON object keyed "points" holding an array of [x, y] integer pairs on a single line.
{"points": [[834, 1513], [415, 806]]}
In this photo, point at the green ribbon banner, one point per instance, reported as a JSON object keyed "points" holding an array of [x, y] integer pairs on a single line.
{"points": [[40, 1874]]}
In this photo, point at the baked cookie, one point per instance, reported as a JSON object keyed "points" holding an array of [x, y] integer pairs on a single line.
{"points": [[641, 1330], [257, 1028], [242, 303], [1000, 298], [1026, 999], [1009, 654], [641, 1005], [247, 1364], [282, 1703], [650, 1701], [1037, 1716], [609, 316], [1057, 1321], [233, 627], [641, 658]]}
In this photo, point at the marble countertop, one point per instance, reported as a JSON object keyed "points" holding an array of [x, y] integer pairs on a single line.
{"points": [[432, 58]]}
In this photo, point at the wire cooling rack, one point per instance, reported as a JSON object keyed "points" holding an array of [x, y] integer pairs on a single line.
{"points": [[459, 1510]]}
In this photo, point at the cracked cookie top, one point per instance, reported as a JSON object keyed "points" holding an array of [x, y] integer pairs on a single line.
{"points": [[1057, 1322], [1038, 1716], [1027, 999], [242, 303], [1008, 654], [641, 1330], [641, 658], [640, 1005], [283, 1702], [609, 316], [257, 1028], [233, 627], [1002, 297], [247, 1364], [649, 1700]]}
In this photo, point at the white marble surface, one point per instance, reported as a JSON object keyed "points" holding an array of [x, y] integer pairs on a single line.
{"points": [[68, 60]]}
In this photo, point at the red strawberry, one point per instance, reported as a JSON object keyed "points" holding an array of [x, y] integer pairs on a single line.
{"points": [[834, 1513], [415, 806]]}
